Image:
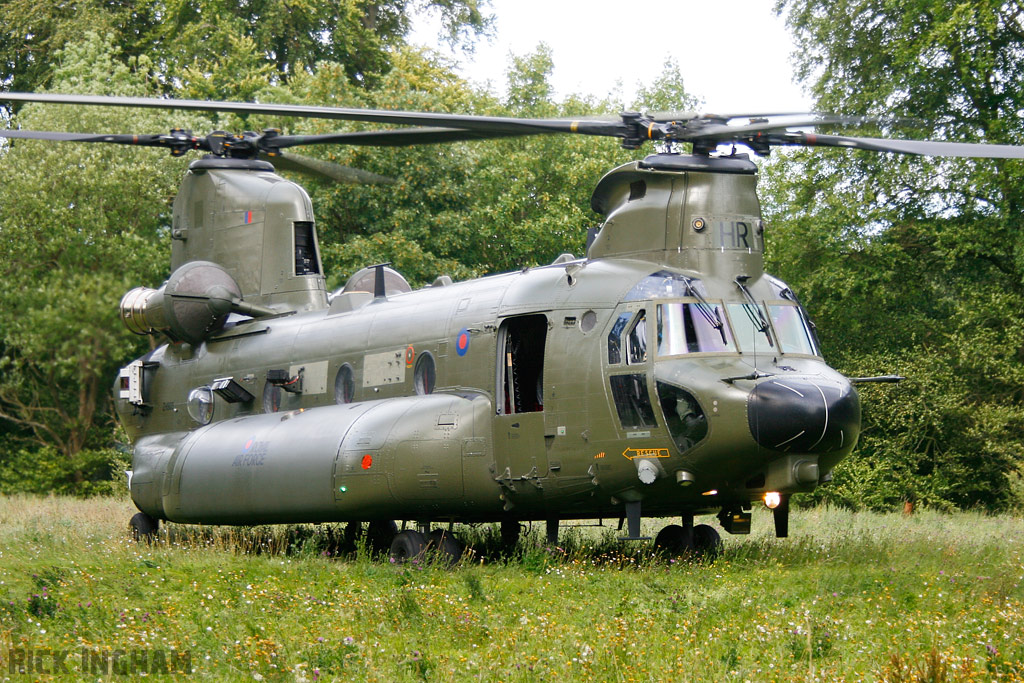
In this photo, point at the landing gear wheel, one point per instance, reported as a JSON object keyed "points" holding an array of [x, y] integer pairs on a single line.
{"points": [[444, 546], [510, 531], [379, 535], [706, 542], [672, 541], [408, 545], [351, 536], [143, 527]]}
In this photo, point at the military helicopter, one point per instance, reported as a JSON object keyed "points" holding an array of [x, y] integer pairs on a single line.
{"points": [[663, 374]]}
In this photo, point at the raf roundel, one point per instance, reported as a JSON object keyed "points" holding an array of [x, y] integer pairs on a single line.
{"points": [[462, 342]]}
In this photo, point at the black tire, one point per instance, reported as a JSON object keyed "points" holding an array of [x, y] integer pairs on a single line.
{"points": [[143, 527], [351, 537], [672, 541], [707, 543], [407, 545], [443, 546], [510, 532], [379, 535]]}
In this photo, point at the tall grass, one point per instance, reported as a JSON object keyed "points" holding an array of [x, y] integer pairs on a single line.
{"points": [[849, 596]]}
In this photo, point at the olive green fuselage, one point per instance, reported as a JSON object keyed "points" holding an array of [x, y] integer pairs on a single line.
{"points": [[555, 392]]}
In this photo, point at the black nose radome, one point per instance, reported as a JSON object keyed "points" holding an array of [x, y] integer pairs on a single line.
{"points": [[804, 415]]}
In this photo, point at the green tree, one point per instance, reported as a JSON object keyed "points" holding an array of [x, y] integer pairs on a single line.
{"points": [[79, 225], [906, 262], [287, 36], [667, 93]]}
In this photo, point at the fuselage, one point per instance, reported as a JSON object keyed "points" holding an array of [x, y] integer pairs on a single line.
{"points": [[556, 391], [664, 373]]}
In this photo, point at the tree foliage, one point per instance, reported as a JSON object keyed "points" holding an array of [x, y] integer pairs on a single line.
{"points": [[283, 37], [79, 226], [912, 265]]}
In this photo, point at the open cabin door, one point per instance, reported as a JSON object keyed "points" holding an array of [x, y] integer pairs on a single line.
{"points": [[520, 453]]}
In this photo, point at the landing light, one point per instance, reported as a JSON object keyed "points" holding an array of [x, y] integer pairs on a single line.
{"points": [[684, 478], [772, 499], [712, 492]]}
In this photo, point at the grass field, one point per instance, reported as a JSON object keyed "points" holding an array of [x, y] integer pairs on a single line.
{"points": [[931, 597]]}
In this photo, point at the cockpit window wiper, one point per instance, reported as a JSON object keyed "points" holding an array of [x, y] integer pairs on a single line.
{"points": [[752, 310], [707, 311]]}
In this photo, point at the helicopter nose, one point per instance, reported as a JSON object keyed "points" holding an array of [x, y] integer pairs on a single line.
{"points": [[804, 415]]}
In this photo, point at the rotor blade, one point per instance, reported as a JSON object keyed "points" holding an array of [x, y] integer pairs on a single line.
{"points": [[760, 115], [387, 138], [178, 141], [489, 124], [923, 147], [300, 163], [143, 140], [735, 132], [633, 128], [673, 115]]}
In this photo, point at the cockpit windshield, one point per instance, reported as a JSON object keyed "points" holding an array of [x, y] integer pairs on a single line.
{"points": [[792, 329], [692, 328], [788, 321], [751, 335], [687, 322]]}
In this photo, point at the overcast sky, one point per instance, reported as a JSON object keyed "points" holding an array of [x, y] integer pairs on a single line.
{"points": [[732, 53]]}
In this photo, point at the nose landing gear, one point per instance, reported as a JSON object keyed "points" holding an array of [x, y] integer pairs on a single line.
{"points": [[701, 541]]}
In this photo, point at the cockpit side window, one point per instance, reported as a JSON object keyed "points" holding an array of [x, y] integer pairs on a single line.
{"points": [[636, 340], [615, 338]]}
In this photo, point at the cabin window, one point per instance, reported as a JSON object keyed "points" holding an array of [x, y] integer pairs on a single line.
{"points": [[792, 329], [344, 385], [306, 260], [692, 328], [424, 374], [521, 342], [632, 401]]}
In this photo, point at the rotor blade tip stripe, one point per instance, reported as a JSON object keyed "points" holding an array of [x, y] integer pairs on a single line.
{"points": [[650, 130], [574, 126]]}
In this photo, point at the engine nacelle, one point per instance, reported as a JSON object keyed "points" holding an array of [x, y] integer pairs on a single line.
{"points": [[193, 303]]}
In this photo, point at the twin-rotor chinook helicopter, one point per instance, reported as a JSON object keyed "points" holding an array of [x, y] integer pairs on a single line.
{"points": [[664, 374]]}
